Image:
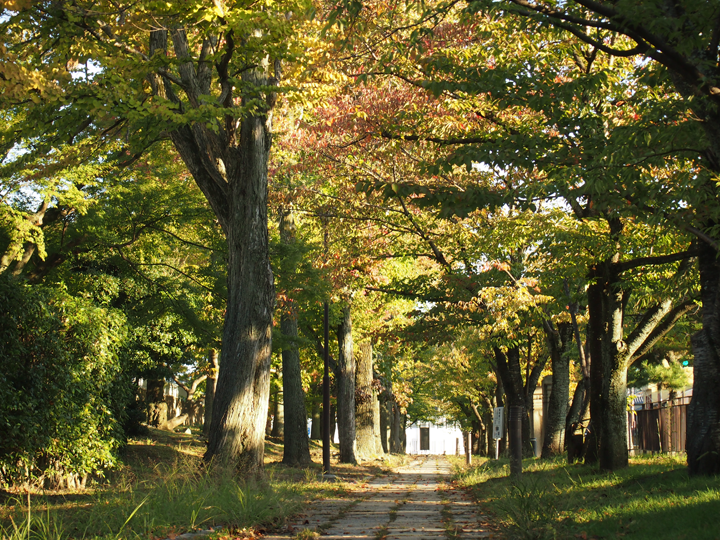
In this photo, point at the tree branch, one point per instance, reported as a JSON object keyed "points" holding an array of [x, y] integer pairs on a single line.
{"points": [[662, 329], [650, 320], [648, 261]]}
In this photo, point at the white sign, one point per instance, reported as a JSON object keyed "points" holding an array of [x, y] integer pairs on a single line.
{"points": [[498, 423]]}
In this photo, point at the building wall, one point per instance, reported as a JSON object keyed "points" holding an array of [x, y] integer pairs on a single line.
{"points": [[444, 439]]}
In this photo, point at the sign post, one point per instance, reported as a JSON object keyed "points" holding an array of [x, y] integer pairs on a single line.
{"points": [[498, 424]]}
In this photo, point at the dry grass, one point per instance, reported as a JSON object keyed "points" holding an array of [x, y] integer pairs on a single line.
{"points": [[160, 490]]}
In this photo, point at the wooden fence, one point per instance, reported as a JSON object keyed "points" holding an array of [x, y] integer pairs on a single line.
{"points": [[659, 427]]}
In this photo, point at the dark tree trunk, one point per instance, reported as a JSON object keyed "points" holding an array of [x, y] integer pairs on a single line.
{"points": [[364, 410], [607, 302], [397, 445], [597, 371], [579, 412], [488, 441], [703, 431], [241, 397], [384, 424], [510, 372], [558, 343], [346, 389], [157, 409], [210, 384], [229, 160], [531, 382], [376, 419], [612, 451], [296, 449]]}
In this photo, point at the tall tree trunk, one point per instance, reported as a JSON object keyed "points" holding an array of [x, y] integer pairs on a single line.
{"points": [[376, 418], [532, 379], [597, 371], [613, 452], [579, 413], [703, 431], [210, 384], [364, 409], [346, 389], [579, 410], [617, 352], [558, 342], [228, 160], [384, 424], [396, 427], [241, 397], [296, 449], [510, 372]]}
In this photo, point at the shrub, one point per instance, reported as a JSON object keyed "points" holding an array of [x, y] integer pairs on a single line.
{"points": [[61, 390]]}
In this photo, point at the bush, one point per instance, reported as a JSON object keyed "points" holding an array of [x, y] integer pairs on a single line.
{"points": [[61, 386]]}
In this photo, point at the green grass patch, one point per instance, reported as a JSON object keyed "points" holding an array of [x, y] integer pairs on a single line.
{"points": [[162, 491], [654, 499]]}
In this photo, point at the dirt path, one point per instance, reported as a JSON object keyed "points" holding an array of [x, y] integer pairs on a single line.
{"points": [[413, 503]]}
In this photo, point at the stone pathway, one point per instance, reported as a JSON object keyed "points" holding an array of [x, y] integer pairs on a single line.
{"points": [[411, 504]]}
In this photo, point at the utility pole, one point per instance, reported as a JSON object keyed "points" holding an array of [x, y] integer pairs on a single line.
{"points": [[326, 374]]}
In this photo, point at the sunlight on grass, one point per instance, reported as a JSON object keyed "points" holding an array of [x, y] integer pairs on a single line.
{"points": [[652, 499], [171, 497]]}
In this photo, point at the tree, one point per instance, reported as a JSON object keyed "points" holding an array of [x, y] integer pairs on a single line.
{"points": [[206, 78], [682, 38], [559, 337], [296, 450]]}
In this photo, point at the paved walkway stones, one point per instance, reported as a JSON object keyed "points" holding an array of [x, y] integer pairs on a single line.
{"points": [[414, 503]]}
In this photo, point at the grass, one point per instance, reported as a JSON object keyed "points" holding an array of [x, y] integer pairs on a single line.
{"points": [[652, 499], [162, 491]]}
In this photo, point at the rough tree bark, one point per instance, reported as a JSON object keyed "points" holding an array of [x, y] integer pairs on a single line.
{"points": [[397, 438], [703, 431], [364, 406], [296, 449], [346, 389], [558, 342], [228, 160], [607, 303], [376, 418], [210, 385], [386, 400], [384, 421]]}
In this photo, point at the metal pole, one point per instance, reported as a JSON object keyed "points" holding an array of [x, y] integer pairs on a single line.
{"points": [[326, 392], [515, 439], [468, 457]]}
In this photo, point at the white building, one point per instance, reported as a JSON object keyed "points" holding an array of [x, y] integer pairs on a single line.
{"points": [[440, 438]]}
